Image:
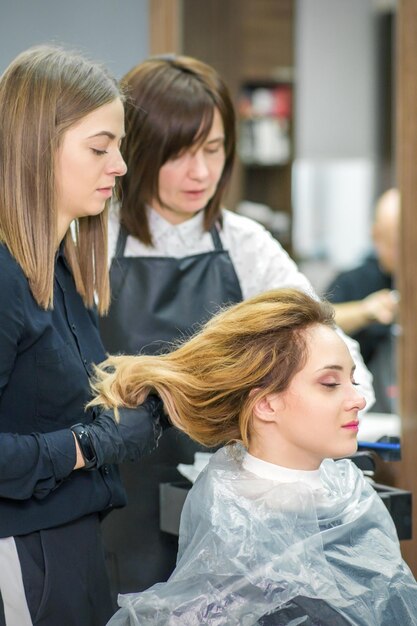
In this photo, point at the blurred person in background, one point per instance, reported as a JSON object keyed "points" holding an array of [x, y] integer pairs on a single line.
{"points": [[366, 303]]}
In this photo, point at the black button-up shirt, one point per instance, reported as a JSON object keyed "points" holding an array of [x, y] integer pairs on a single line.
{"points": [[356, 284], [46, 360]]}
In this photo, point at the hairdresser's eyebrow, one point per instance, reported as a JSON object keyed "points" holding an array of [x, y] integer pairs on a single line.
{"points": [[105, 133], [220, 138]]}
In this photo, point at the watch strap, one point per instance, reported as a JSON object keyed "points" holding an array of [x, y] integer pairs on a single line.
{"points": [[86, 445]]}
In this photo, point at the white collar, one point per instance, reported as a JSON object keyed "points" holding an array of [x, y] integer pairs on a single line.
{"points": [[264, 469], [160, 227]]}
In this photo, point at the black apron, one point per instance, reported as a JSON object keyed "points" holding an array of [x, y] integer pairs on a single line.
{"points": [[156, 300]]}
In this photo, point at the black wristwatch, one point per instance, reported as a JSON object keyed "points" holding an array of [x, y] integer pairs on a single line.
{"points": [[86, 446]]}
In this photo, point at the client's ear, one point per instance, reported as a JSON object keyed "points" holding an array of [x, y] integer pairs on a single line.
{"points": [[267, 407]]}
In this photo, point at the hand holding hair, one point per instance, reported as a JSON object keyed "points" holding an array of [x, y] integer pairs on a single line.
{"points": [[135, 432]]}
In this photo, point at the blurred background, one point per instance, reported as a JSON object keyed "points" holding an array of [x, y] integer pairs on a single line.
{"points": [[312, 82]]}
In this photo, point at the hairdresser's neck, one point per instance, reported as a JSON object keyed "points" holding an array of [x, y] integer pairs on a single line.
{"points": [[62, 228]]}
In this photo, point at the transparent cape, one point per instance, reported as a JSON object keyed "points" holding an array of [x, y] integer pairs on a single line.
{"points": [[254, 551]]}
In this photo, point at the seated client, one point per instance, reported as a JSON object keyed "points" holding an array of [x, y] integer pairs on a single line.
{"points": [[274, 531]]}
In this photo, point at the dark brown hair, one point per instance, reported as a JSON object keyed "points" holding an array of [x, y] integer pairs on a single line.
{"points": [[170, 107]]}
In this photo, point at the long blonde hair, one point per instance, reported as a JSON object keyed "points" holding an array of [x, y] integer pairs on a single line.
{"points": [[211, 383], [43, 92]]}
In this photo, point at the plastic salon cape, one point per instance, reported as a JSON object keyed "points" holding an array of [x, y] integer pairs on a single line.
{"points": [[255, 551]]}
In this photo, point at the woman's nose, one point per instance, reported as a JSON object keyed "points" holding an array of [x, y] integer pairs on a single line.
{"points": [[358, 400], [198, 166], [118, 166]]}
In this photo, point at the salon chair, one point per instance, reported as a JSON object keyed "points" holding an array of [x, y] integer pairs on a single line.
{"points": [[397, 501]]}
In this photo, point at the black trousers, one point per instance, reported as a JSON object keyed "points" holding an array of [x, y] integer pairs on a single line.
{"points": [[64, 575]]}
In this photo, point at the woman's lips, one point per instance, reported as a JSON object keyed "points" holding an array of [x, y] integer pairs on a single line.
{"points": [[352, 425], [195, 194], [106, 191]]}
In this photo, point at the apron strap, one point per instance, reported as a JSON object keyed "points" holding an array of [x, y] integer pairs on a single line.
{"points": [[123, 235], [214, 232]]}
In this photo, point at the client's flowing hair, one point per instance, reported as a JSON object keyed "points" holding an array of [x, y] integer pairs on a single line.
{"points": [[211, 382]]}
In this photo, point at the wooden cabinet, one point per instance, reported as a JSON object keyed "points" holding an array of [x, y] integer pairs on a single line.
{"points": [[265, 150], [267, 38]]}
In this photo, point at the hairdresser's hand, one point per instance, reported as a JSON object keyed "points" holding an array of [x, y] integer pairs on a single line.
{"points": [[137, 433]]}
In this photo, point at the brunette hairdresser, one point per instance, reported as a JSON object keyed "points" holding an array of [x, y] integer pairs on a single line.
{"points": [[279, 528], [186, 92], [61, 124]]}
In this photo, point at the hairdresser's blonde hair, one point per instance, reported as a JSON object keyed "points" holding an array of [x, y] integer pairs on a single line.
{"points": [[43, 92], [211, 383]]}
